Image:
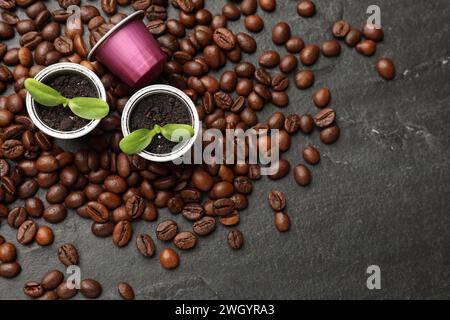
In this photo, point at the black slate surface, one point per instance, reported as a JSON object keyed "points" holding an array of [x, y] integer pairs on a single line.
{"points": [[379, 197]]}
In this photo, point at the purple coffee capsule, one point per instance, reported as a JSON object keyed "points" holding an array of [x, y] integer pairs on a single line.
{"points": [[130, 52]]}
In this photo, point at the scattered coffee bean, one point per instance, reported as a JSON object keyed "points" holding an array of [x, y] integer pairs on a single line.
{"points": [[169, 259], [90, 288], [277, 200], [235, 239], [282, 222], [386, 68], [68, 254], [125, 291], [302, 175], [311, 155], [185, 240]]}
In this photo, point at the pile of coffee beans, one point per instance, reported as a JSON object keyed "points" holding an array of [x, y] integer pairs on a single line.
{"points": [[112, 189]]}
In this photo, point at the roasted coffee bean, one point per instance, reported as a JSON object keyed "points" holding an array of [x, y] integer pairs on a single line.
{"points": [[26, 232], [115, 184], [224, 38], [56, 194], [4, 166], [203, 17], [228, 81], [27, 189], [244, 69], [75, 199], [202, 180], [145, 245], [310, 54], [135, 206], [68, 176], [281, 33], [155, 12], [254, 23], [68, 254], [109, 6], [283, 166], [277, 200], [98, 212], [243, 185], [16, 217], [64, 292], [55, 213], [280, 82], [33, 289], [47, 164], [204, 226], [238, 104], [223, 207], [169, 259], [366, 47], [288, 63], [52, 279], [25, 26], [373, 32], [295, 45], [185, 240], [330, 135], [248, 7], [3, 210], [49, 296], [43, 141], [193, 211], [11, 57], [102, 230], [263, 92], [231, 11], [125, 291], [222, 189], [10, 270], [306, 8], [122, 233], [306, 124], [386, 68], [6, 31], [190, 195], [219, 21], [311, 155], [331, 48], [223, 100], [244, 87], [268, 5], [341, 28], [276, 120], [302, 175], [246, 42], [263, 77], [90, 288], [292, 123], [157, 27], [12, 149], [325, 118], [322, 97], [282, 222], [7, 252], [44, 236], [304, 79], [235, 239], [353, 37], [34, 207], [269, 59]]}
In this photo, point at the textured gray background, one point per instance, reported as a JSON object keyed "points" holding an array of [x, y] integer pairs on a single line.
{"points": [[380, 195]]}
